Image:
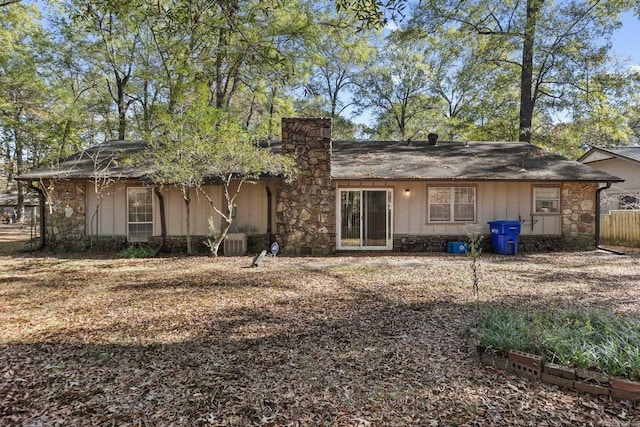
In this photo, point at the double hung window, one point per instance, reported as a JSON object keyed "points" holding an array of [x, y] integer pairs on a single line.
{"points": [[452, 204], [139, 213], [546, 200]]}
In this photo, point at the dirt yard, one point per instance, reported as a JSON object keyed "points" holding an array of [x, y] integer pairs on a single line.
{"points": [[337, 341], [15, 237]]}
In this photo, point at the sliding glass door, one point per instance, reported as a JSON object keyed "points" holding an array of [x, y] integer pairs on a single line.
{"points": [[365, 218]]}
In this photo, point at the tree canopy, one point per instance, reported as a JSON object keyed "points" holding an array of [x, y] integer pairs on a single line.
{"points": [[74, 73]]}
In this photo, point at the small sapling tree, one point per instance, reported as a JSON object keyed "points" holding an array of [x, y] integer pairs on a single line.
{"points": [[474, 240], [235, 161]]}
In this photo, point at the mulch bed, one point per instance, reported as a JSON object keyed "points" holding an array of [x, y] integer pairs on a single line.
{"points": [[353, 341]]}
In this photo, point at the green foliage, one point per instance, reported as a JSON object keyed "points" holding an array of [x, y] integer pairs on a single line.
{"points": [[550, 51], [91, 70], [588, 339], [373, 13], [136, 250], [505, 330], [396, 89], [203, 144]]}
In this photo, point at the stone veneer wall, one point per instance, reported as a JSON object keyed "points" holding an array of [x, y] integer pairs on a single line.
{"points": [[579, 210], [526, 243], [305, 210], [65, 214]]}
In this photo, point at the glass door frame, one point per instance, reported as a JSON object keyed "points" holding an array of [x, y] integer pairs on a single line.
{"points": [[389, 219]]}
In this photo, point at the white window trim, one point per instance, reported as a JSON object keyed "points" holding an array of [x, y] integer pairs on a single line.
{"points": [[452, 205], [535, 199], [153, 214]]}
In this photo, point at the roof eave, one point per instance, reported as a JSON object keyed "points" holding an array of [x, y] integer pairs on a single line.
{"points": [[475, 179], [605, 151]]}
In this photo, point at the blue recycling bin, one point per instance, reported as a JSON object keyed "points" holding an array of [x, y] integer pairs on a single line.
{"points": [[505, 227], [504, 236]]}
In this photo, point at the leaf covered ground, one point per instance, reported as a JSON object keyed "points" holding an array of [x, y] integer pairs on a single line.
{"points": [[337, 341]]}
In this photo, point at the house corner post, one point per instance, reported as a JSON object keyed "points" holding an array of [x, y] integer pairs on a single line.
{"points": [[66, 214], [579, 215], [306, 207]]}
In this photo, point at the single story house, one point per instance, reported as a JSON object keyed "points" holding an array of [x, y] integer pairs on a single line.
{"points": [[9, 206], [623, 162], [347, 195]]}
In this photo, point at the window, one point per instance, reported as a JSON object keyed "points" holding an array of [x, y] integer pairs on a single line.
{"points": [[365, 219], [140, 213], [546, 199], [452, 204]]}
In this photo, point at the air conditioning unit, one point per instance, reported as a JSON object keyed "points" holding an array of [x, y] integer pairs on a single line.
{"points": [[235, 244]]}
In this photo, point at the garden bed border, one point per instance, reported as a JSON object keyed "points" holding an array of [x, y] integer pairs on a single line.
{"points": [[533, 367]]}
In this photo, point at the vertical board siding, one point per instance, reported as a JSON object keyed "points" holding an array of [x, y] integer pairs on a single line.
{"points": [[251, 209], [112, 212], [622, 168], [111, 219], [495, 201], [620, 228]]}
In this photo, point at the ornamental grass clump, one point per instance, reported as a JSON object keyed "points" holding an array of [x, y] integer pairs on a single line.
{"points": [[587, 339], [504, 330]]}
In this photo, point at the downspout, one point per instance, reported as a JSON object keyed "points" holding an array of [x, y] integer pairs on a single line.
{"points": [[163, 225], [269, 218], [41, 206], [598, 191]]}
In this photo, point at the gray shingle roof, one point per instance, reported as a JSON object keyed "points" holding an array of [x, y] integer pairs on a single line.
{"points": [[109, 158], [378, 160], [11, 199], [473, 161]]}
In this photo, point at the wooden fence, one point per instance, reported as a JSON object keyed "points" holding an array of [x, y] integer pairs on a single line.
{"points": [[620, 228]]}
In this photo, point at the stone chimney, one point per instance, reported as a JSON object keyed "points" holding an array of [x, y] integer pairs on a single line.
{"points": [[306, 207]]}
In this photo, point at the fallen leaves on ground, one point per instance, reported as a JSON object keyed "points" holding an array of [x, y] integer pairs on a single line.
{"points": [[345, 341]]}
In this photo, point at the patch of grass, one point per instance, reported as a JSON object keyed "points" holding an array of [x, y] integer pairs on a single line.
{"points": [[587, 339]]}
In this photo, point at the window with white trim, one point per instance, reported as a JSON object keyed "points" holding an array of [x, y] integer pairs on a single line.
{"points": [[139, 213], [546, 200], [451, 204]]}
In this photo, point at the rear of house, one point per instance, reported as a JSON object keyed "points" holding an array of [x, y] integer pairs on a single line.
{"points": [[347, 195]]}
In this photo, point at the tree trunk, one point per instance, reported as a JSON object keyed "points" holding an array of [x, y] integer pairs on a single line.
{"points": [[122, 108], [526, 77], [186, 194], [228, 217], [19, 184], [220, 238], [272, 102]]}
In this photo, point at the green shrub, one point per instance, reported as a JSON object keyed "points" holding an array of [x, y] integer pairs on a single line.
{"points": [[588, 339], [136, 250]]}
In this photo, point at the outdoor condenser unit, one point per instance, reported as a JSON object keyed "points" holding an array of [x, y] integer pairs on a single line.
{"points": [[235, 244]]}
